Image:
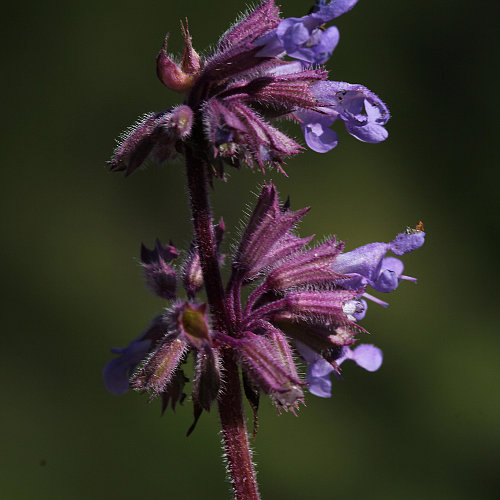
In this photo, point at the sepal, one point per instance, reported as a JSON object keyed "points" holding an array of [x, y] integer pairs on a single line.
{"points": [[268, 224], [207, 377], [261, 20], [265, 366], [307, 268], [175, 391], [157, 370]]}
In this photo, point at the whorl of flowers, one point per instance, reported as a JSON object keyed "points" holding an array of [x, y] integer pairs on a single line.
{"points": [[232, 95], [306, 300]]}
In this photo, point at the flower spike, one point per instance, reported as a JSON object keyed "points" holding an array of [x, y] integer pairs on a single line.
{"points": [[287, 300]]}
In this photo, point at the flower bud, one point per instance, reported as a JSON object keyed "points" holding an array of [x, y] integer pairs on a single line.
{"points": [[206, 381], [155, 136], [178, 78], [181, 122], [192, 274], [192, 321], [160, 277], [155, 374], [266, 235]]}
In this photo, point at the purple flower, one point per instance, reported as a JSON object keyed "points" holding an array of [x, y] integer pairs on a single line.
{"points": [[368, 265], [304, 38], [363, 113], [319, 370], [116, 373]]}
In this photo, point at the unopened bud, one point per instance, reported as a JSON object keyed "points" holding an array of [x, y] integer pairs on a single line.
{"points": [[181, 122], [192, 274], [160, 277], [158, 370], [206, 381], [193, 323], [178, 78]]}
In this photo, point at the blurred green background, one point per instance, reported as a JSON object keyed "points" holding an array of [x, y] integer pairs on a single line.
{"points": [[426, 426]]}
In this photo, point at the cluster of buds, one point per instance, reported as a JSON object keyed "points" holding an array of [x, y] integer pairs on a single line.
{"points": [[232, 95], [305, 301]]}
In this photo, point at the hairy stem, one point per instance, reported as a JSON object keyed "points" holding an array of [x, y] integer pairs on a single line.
{"points": [[205, 237], [234, 432]]}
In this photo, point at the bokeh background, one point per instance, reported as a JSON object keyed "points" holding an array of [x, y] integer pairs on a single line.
{"points": [[426, 426]]}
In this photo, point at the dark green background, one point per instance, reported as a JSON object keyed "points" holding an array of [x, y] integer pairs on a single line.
{"points": [[426, 426]]}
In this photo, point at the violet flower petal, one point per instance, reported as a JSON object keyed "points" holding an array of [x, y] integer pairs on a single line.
{"points": [[363, 261], [334, 9], [367, 356], [271, 45], [367, 265], [116, 372], [390, 271], [318, 371], [326, 45], [320, 386], [364, 114], [319, 137], [315, 127], [407, 242], [360, 314]]}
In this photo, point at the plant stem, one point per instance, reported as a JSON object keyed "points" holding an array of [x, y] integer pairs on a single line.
{"points": [[234, 432], [205, 237]]}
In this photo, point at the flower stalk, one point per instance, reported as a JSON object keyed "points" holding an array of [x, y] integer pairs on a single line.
{"points": [[234, 433], [197, 183]]}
